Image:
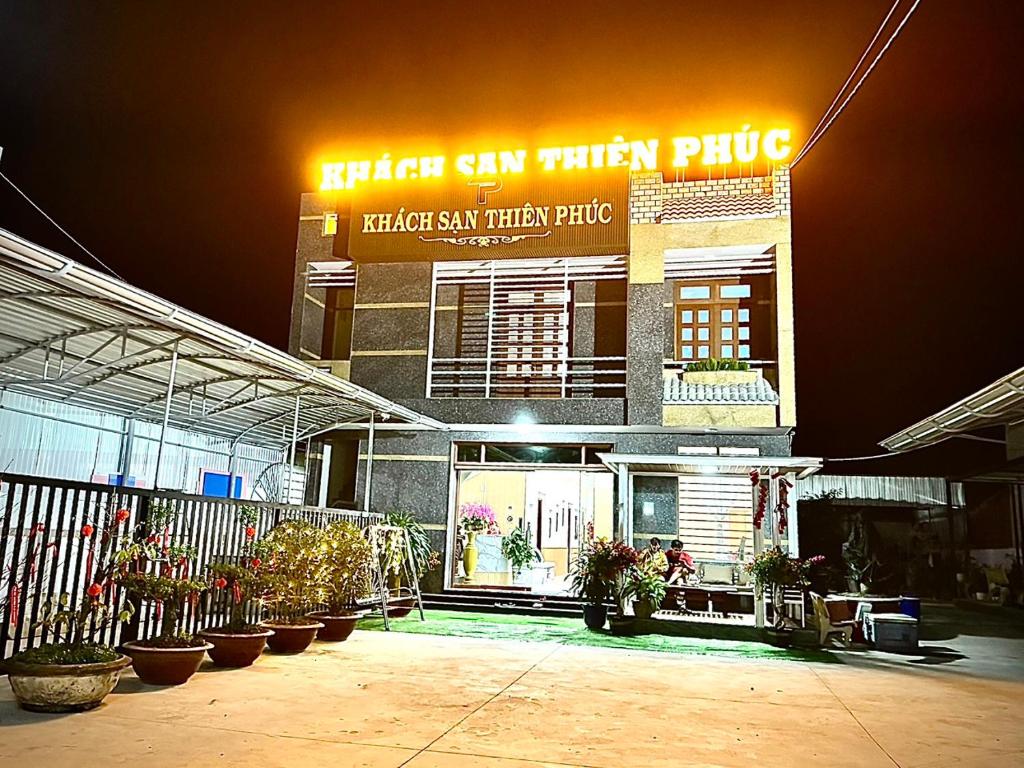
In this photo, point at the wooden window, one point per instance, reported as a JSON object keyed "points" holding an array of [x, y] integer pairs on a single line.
{"points": [[725, 318]]}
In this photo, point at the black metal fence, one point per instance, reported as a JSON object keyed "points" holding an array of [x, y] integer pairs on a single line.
{"points": [[43, 552]]}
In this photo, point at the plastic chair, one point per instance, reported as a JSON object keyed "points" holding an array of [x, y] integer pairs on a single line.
{"points": [[826, 626]]}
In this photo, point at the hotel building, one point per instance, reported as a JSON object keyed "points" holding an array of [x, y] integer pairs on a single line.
{"points": [[549, 331]]}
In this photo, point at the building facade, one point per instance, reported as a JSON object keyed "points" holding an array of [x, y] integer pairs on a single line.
{"points": [[545, 350]]}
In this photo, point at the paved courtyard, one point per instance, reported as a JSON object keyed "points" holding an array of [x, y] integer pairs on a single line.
{"points": [[393, 699]]}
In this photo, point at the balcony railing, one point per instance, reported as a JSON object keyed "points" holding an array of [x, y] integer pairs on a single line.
{"points": [[527, 376]]}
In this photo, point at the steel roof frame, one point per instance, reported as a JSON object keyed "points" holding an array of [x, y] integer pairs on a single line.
{"points": [[32, 282]]}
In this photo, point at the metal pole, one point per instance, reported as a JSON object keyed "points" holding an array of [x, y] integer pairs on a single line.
{"points": [[167, 414], [231, 469], [291, 453], [759, 607], [127, 440], [369, 467]]}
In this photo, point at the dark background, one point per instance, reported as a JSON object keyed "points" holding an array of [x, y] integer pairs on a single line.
{"points": [[174, 141]]}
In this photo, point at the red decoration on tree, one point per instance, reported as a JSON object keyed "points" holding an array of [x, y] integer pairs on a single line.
{"points": [[236, 591], [256, 562], [121, 515], [220, 583], [87, 530], [14, 600], [94, 590], [250, 532]]}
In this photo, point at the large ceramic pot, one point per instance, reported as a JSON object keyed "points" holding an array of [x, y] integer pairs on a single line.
{"points": [[63, 687], [622, 625], [235, 649], [643, 609], [594, 616], [165, 666], [291, 638], [337, 627], [400, 603], [469, 555]]}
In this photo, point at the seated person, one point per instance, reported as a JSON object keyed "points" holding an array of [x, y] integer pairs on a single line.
{"points": [[680, 564], [653, 556]]}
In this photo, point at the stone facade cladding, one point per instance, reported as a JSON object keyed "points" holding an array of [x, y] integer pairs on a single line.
{"points": [[649, 192]]}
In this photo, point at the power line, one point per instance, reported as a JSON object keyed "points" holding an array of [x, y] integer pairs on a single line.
{"points": [[810, 144], [67, 234], [853, 72]]}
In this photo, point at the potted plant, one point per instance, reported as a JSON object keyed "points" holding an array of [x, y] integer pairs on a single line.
{"points": [[347, 579], [519, 552], [173, 655], [599, 574], [238, 643], [401, 599], [474, 519], [292, 555], [646, 585], [151, 569], [773, 570], [73, 673], [719, 372]]}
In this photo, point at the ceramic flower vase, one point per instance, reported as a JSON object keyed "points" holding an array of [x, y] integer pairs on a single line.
{"points": [[469, 555]]}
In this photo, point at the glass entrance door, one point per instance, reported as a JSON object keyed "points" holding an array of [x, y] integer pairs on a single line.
{"points": [[554, 508]]}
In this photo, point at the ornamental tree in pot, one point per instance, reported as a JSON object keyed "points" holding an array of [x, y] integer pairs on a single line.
{"points": [[238, 643], [74, 673], [346, 580], [153, 570], [292, 555]]}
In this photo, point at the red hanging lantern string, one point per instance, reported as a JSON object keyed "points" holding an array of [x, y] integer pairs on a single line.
{"points": [[782, 508], [14, 600]]}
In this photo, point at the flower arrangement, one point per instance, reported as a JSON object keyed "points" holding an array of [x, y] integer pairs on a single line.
{"points": [[477, 518], [773, 570], [600, 570], [645, 583]]}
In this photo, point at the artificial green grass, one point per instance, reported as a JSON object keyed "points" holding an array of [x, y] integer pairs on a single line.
{"points": [[566, 631]]}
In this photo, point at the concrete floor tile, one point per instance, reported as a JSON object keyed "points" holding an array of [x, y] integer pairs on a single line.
{"points": [[89, 740], [618, 729], [449, 760]]}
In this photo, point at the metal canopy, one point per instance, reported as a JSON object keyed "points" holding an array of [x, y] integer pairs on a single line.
{"points": [[1000, 403], [684, 464], [72, 334]]}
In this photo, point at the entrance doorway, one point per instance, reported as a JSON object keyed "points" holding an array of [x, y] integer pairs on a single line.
{"points": [[554, 508]]}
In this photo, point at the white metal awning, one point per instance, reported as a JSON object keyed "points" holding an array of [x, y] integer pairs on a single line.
{"points": [[72, 334], [1000, 403], [683, 464]]}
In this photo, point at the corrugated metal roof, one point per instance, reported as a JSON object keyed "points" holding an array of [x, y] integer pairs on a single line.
{"points": [[681, 392], [864, 489], [1000, 403], [71, 334]]}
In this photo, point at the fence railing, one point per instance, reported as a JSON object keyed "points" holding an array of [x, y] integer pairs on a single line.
{"points": [[527, 376], [43, 552]]}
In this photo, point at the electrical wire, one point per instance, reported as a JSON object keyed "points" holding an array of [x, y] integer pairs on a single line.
{"points": [[810, 144], [849, 78], [900, 451], [67, 234]]}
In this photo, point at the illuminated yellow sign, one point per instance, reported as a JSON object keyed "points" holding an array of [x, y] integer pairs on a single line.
{"points": [[710, 149]]}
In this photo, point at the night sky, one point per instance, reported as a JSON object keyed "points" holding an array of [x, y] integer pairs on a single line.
{"points": [[175, 143]]}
